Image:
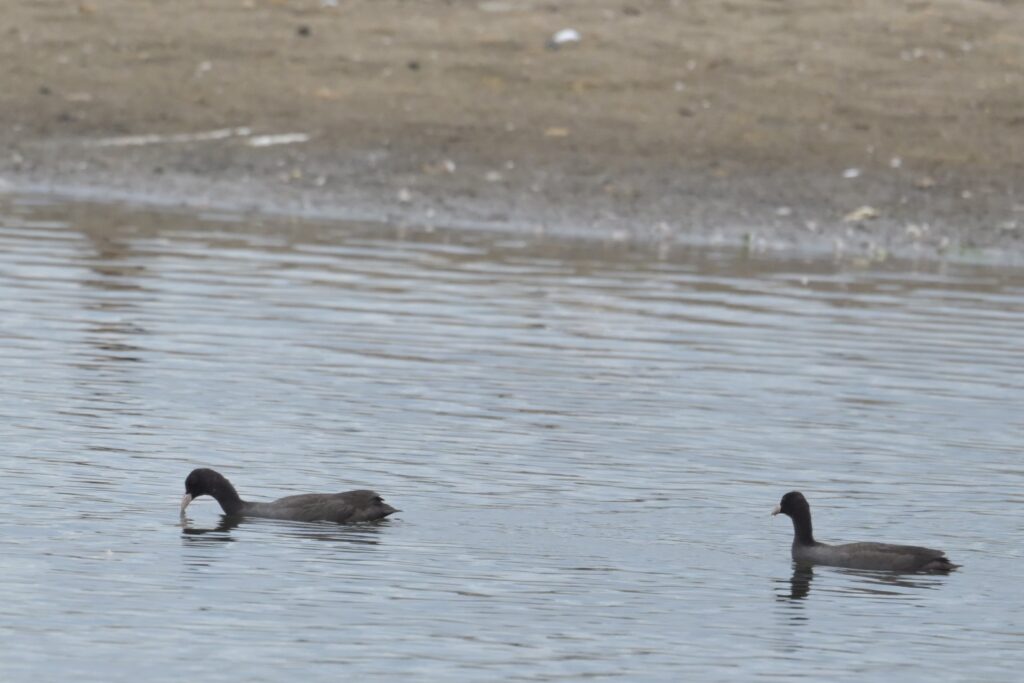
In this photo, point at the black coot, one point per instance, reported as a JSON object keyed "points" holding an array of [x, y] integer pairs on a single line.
{"points": [[899, 558], [351, 506]]}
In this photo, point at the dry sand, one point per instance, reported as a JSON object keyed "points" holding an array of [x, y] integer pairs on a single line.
{"points": [[767, 122]]}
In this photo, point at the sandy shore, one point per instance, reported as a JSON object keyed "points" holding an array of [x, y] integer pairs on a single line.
{"points": [[873, 128]]}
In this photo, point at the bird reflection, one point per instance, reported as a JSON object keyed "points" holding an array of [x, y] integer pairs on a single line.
{"points": [[863, 582], [800, 582], [209, 536], [890, 583], [357, 534], [226, 523]]}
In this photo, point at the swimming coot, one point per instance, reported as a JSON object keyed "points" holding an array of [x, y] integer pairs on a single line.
{"points": [[351, 506], [900, 558]]}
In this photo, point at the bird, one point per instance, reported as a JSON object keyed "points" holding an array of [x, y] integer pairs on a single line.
{"points": [[343, 508], [885, 556]]}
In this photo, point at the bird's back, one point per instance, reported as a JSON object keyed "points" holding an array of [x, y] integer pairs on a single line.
{"points": [[887, 556], [347, 507]]}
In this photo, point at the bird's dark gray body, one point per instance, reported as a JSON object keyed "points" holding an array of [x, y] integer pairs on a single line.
{"points": [[344, 508], [900, 558]]}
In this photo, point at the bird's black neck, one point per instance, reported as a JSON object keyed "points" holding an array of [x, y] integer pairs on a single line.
{"points": [[228, 498], [803, 533]]}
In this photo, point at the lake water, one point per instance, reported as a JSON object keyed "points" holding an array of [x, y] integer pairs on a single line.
{"points": [[585, 442]]}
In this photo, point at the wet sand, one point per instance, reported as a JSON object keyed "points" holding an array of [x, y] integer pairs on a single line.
{"points": [[869, 128]]}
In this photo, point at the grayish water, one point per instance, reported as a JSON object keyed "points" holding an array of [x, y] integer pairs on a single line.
{"points": [[585, 442]]}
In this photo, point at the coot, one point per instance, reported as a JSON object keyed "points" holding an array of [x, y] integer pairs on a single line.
{"points": [[899, 558], [351, 506]]}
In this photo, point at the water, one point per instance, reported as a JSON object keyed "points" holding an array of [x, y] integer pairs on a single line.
{"points": [[585, 441]]}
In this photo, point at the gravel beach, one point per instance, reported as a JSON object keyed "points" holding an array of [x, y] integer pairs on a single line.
{"points": [[871, 128]]}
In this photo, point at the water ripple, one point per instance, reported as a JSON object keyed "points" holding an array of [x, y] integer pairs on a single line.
{"points": [[585, 441]]}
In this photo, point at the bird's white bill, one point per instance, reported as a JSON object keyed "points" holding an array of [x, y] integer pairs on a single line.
{"points": [[185, 500], [775, 511]]}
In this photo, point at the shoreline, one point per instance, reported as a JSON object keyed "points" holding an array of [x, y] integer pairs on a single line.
{"points": [[719, 124], [757, 214]]}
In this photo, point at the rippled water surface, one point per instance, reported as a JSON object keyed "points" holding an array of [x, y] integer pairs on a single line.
{"points": [[585, 442]]}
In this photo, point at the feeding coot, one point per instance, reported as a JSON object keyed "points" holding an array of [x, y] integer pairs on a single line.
{"points": [[347, 507]]}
